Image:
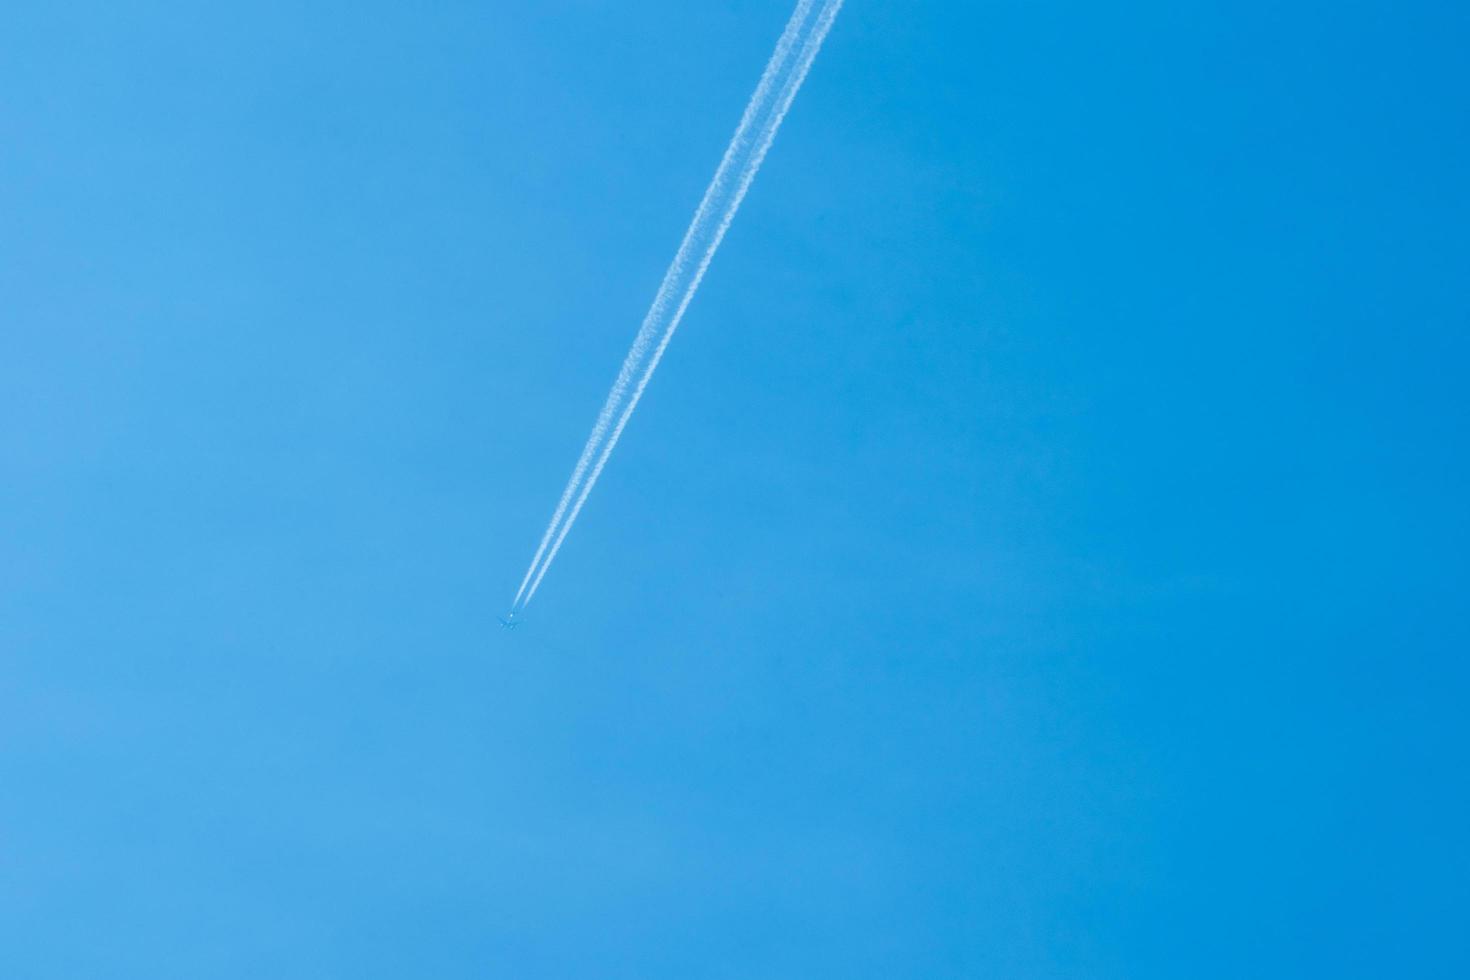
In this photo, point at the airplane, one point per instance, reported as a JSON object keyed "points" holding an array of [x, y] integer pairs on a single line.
{"points": [[508, 624]]}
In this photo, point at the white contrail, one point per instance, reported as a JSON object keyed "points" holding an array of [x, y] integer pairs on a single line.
{"points": [[767, 135], [656, 312]]}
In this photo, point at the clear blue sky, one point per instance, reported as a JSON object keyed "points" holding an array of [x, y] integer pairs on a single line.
{"points": [[1041, 554]]}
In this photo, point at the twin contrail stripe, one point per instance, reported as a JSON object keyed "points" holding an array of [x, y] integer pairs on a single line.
{"points": [[658, 311], [764, 114]]}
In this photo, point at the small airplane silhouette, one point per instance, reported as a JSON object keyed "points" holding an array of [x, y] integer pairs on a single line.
{"points": [[508, 624]]}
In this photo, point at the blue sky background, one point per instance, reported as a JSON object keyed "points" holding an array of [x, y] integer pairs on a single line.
{"points": [[1042, 553]]}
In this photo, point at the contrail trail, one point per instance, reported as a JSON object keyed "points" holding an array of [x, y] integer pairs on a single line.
{"points": [[656, 312], [762, 144]]}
